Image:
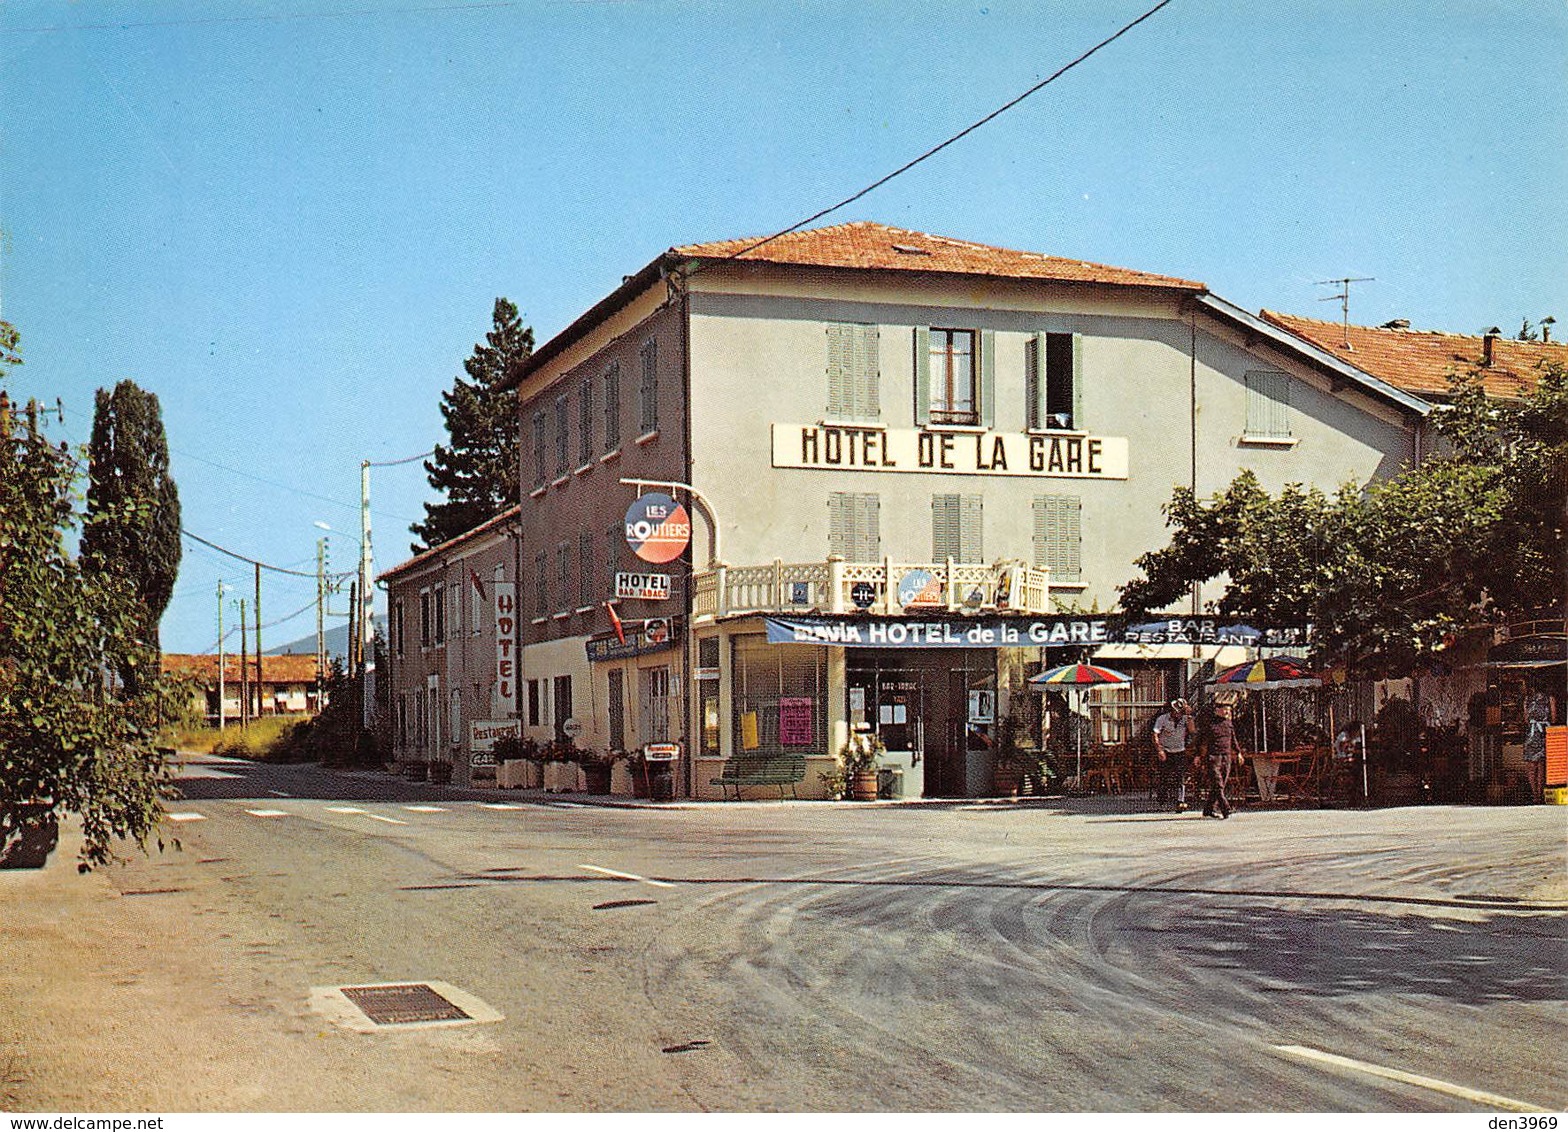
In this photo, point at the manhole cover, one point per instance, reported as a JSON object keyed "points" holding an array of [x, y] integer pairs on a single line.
{"points": [[387, 1006], [403, 1003]]}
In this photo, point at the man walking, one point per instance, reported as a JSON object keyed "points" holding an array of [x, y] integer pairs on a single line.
{"points": [[1218, 747], [1172, 731]]}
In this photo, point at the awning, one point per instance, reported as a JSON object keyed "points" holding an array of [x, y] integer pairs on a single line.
{"points": [[1525, 663]]}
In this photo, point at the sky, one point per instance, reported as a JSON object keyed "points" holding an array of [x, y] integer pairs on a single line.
{"points": [[290, 219]]}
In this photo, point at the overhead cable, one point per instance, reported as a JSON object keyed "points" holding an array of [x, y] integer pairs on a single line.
{"points": [[254, 562]]}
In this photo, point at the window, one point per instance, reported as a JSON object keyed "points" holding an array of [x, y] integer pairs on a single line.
{"points": [[617, 706], [424, 619], [1058, 536], [956, 528], [561, 415], [438, 604], [855, 526], [541, 469], [541, 585], [563, 572], [563, 704], [584, 570], [955, 377], [1268, 405], [533, 704], [612, 407], [397, 627], [455, 730], [612, 554], [1051, 381], [853, 372], [648, 389], [585, 422], [654, 696]]}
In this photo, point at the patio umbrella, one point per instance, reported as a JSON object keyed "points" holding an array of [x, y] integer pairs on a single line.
{"points": [[1078, 677], [1263, 674]]}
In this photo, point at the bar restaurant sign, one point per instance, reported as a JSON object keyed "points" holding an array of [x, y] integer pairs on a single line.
{"points": [[1022, 632], [1072, 455]]}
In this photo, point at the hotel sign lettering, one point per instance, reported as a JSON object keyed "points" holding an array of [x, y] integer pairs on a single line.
{"points": [[1073, 455], [1051, 630]]}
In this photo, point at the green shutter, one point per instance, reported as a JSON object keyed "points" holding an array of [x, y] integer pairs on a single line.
{"points": [[1078, 381], [971, 527], [840, 369], [1034, 382], [868, 372], [922, 375], [1058, 535], [945, 532], [988, 378]]}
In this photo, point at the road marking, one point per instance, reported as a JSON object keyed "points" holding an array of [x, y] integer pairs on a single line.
{"points": [[267, 813], [500, 806], [363, 814], [567, 805], [627, 876], [187, 817], [279, 794], [1508, 1104], [424, 809]]}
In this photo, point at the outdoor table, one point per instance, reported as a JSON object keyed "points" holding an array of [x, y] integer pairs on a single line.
{"points": [[1265, 769]]}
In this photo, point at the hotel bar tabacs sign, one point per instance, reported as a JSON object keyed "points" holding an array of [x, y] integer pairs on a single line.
{"points": [[1072, 455]]}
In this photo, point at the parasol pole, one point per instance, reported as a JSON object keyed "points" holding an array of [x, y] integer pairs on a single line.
{"points": [[1078, 731]]}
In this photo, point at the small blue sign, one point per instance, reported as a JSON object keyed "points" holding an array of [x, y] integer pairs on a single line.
{"points": [[800, 593]]}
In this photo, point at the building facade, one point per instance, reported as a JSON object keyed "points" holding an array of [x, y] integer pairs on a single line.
{"points": [[287, 686], [932, 455]]}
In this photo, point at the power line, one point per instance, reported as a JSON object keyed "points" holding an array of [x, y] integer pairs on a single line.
{"points": [[965, 132], [288, 487], [404, 460], [306, 608], [254, 562]]}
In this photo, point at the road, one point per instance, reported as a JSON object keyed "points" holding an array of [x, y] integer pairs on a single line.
{"points": [[1060, 956]]}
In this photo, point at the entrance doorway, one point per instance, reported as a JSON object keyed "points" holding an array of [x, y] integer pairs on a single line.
{"points": [[920, 704]]}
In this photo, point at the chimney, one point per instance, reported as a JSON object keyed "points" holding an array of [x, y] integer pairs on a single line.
{"points": [[1546, 328], [1397, 324], [1488, 343]]}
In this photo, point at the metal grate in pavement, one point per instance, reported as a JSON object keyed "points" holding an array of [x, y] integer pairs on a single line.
{"points": [[401, 1004]]}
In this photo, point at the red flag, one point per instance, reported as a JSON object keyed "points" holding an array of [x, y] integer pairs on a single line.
{"points": [[615, 622], [479, 587]]}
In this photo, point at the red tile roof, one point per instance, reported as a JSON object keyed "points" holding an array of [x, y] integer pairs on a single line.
{"points": [[1420, 361], [285, 669], [868, 245], [452, 544]]}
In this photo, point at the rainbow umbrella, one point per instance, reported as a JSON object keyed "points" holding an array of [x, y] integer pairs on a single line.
{"points": [[1078, 677], [1263, 674]]}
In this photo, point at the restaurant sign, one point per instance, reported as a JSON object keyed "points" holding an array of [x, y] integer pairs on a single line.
{"points": [[482, 734], [1072, 455], [654, 635], [1022, 632]]}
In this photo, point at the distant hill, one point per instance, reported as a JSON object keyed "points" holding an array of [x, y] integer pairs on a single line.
{"points": [[336, 640]]}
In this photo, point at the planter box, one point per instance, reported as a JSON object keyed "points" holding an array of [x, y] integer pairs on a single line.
{"points": [[560, 778]]}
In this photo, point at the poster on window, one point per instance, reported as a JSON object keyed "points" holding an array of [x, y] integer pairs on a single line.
{"points": [[795, 721]]}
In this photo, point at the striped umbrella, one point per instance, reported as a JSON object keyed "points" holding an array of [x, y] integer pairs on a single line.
{"points": [[1078, 677], [1269, 672]]}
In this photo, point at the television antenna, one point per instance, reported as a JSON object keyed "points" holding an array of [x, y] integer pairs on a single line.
{"points": [[1343, 295]]}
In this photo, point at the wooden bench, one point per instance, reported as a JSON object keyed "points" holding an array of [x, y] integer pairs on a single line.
{"points": [[753, 769]]}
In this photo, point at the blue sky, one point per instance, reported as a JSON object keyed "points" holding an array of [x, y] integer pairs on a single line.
{"points": [[290, 219]]}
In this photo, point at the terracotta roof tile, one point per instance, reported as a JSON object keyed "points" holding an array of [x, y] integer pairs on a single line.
{"points": [[1421, 361], [451, 544], [284, 669], [865, 244]]}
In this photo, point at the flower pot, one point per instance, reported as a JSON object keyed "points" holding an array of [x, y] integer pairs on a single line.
{"points": [[596, 778], [1007, 781], [441, 773], [28, 835], [863, 785]]}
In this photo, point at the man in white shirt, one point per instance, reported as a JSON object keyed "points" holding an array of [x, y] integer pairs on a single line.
{"points": [[1172, 730]]}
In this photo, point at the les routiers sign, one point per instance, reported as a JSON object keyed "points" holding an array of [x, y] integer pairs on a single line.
{"points": [[1072, 455]]}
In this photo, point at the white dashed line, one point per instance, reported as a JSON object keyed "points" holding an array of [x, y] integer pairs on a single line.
{"points": [[627, 876], [267, 813], [500, 806], [186, 817], [279, 794], [425, 809], [363, 814], [1476, 1096]]}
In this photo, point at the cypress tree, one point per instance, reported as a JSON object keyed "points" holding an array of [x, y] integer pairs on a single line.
{"points": [[133, 508], [476, 473]]}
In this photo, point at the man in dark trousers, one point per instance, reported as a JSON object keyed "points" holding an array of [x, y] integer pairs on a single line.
{"points": [[1218, 748], [1172, 731]]}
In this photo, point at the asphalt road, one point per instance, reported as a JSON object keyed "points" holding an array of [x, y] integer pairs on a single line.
{"points": [[811, 956]]}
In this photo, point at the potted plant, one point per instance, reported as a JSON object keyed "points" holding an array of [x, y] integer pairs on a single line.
{"points": [[597, 766], [1008, 764], [858, 762], [560, 757], [440, 771]]}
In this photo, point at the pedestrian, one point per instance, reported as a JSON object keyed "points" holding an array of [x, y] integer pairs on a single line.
{"points": [[1537, 715], [1172, 731], [1218, 748]]}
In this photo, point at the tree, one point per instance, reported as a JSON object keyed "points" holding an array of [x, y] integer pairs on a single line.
{"points": [[133, 507], [1390, 573], [476, 473], [69, 742]]}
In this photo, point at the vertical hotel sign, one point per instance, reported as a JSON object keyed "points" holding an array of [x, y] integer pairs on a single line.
{"points": [[506, 646]]}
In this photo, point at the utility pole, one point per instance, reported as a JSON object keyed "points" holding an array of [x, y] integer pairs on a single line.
{"points": [[321, 603], [244, 672], [259, 682], [367, 603], [220, 656]]}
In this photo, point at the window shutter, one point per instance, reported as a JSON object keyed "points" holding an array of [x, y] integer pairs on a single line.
{"points": [[868, 372], [971, 529], [945, 533], [1034, 382], [1058, 535], [1268, 403], [870, 533], [840, 370], [922, 375], [1078, 381], [987, 346]]}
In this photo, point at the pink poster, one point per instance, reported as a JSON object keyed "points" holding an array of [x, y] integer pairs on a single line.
{"points": [[795, 721]]}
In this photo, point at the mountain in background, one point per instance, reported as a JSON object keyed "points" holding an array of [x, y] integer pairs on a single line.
{"points": [[336, 640]]}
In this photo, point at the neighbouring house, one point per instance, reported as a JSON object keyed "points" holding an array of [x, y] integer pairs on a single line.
{"points": [[287, 687]]}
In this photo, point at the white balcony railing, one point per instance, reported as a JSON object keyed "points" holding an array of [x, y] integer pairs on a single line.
{"points": [[834, 586]]}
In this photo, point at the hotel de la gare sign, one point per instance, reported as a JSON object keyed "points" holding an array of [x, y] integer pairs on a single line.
{"points": [[875, 449]]}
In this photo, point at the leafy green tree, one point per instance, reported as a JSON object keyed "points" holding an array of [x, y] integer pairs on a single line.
{"points": [[133, 506], [476, 473], [68, 741], [1389, 573]]}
